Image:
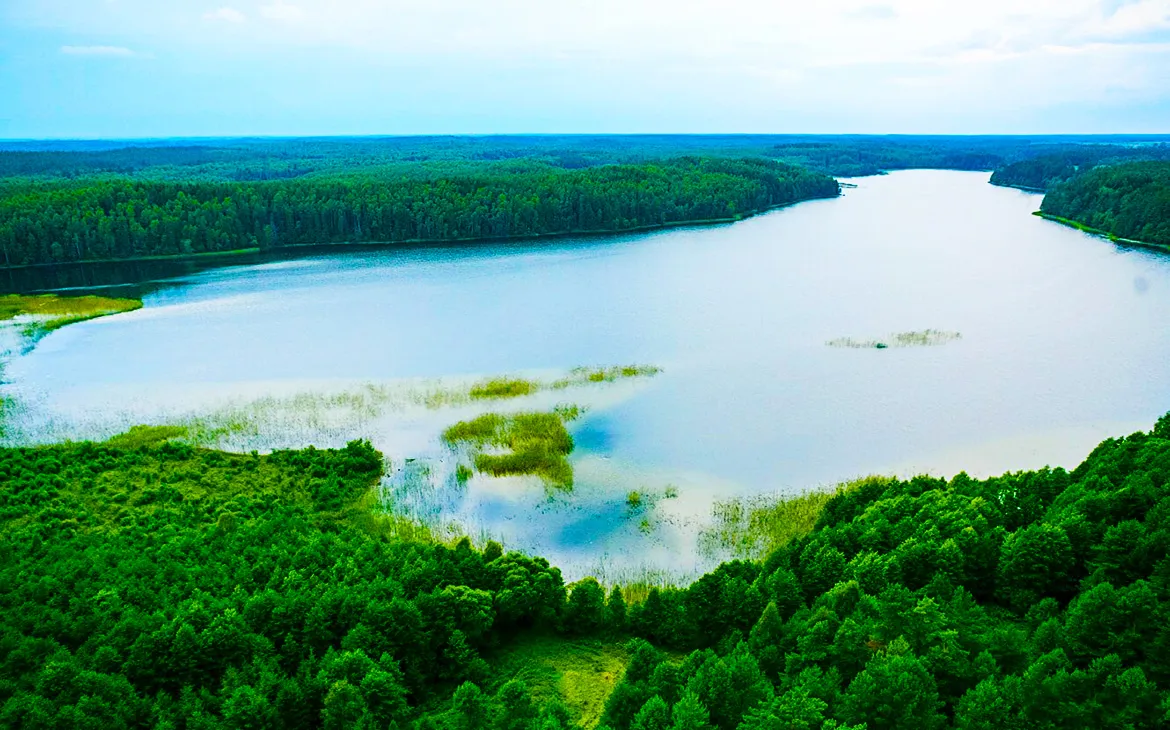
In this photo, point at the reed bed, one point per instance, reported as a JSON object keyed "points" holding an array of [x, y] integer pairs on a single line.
{"points": [[531, 443], [920, 338], [752, 527]]}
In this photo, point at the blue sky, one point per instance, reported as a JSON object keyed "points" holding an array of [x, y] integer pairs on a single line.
{"points": [[146, 68]]}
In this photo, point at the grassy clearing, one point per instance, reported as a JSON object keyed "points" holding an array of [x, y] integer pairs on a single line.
{"points": [[752, 527], [535, 443], [582, 674], [919, 338]]}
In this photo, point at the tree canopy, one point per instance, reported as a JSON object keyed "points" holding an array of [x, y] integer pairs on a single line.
{"points": [[158, 585], [122, 218], [1127, 201]]}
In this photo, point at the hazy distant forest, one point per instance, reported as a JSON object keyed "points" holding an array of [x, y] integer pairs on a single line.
{"points": [[68, 202]]}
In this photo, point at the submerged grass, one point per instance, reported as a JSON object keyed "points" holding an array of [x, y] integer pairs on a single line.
{"points": [[752, 527], [583, 376], [509, 387], [332, 413], [535, 443], [919, 338]]}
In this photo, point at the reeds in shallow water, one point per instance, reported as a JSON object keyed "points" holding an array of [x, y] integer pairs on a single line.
{"points": [[532, 443], [919, 338], [752, 527]]}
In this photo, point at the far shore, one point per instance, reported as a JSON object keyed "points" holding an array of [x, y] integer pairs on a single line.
{"points": [[1025, 188], [203, 255]]}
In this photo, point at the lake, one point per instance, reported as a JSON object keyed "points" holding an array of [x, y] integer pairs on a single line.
{"points": [[1063, 343]]}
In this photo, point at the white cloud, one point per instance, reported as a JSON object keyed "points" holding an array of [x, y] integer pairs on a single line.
{"points": [[104, 51], [1137, 18], [226, 15], [281, 10], [751, 61]]}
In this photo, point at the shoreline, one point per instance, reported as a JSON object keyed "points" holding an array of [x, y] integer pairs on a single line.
{"points": [[1025, 188], [425, 242], [1103, 234]]}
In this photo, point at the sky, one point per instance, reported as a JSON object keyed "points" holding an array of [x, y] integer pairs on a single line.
{"points": [[166, 68]]}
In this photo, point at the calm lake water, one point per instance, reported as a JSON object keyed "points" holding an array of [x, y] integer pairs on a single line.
{"points": [[1064, 342]]}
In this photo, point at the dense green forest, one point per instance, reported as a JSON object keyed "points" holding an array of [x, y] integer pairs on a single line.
{"points": [[1043, 172], [227, 159], [148, 584], [97, 219], [1130, 201], [64, 202]]}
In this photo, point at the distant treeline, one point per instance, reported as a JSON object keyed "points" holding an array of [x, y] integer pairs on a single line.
{"points": [[210, 160], [1127, 201], [1045, 171], [125, 217]]}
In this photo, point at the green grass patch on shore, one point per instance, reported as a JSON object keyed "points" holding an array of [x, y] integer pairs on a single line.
{"points": [[752, 527], [1073, 224], [918, 338], [528, 443], [50, 312], [1098, 232]]}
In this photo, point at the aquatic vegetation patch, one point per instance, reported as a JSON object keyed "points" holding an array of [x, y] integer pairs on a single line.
{"points": [[513, 387], [919, 338], [583, 376], [752, 527], [530, 443], [503, 388]]}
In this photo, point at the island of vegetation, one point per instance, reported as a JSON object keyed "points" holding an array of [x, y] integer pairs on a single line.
{"points": [[518, 444], [146, 583], [1129, 202]]}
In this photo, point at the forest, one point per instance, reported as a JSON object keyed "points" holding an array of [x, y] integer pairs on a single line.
{"points": [[123, 218], [1129, 201], [66, 202], [146, 583], [1045, 171], [246, 159]]}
